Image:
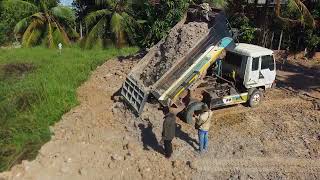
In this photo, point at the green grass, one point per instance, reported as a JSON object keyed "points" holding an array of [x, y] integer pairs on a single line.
{"points": [[37, 86]]}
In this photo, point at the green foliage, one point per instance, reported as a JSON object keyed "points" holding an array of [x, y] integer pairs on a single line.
{"points": [[158, 19], [46, 21], [37, 86], [300, 10], [302, 36], [64, 14], [10, 13], [292, 11], [316, 11], [246, 30], [241, 21], [109, 22], [313, 40]]}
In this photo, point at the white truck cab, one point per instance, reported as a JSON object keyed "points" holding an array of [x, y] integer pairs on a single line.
{"points": [[254, 65]]}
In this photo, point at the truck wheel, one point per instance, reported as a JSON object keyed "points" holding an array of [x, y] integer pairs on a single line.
{"points": [[191, 109], [255, 98]]}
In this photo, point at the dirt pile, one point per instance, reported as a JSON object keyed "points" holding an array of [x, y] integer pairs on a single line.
{"points": [[176, 45], [151, 117]]}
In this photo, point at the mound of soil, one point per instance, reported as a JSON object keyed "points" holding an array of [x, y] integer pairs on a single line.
{"points": [[177, 44]]}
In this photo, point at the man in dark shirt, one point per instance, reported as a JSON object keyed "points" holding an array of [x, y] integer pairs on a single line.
{"points": [[168, 131]]}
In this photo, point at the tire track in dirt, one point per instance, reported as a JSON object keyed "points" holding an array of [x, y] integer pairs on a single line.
{"points": [[238, 109], [262, 164]]}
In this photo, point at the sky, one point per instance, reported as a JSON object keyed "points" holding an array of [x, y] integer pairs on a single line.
{"points": [[66, 2]]}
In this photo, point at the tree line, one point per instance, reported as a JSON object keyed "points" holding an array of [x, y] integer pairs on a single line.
{"points": [[282, 23]]}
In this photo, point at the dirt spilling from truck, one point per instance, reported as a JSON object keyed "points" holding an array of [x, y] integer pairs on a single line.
{"points": [[177, 44]]}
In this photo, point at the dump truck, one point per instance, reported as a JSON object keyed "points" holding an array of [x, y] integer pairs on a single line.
{"points": [[216, 72]]}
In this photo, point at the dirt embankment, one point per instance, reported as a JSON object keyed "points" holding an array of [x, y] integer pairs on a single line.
{"points": [[101, 139]]}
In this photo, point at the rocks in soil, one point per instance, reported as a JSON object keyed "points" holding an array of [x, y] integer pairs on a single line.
{"points": [[116, 157], [65, 169], [82, 171], [177, 163], [191, 165], [177, 45], [125, 147], [152, 117], [316, 104]]}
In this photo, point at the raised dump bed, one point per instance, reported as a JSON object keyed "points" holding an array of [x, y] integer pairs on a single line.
{"points": [[165, 75]]}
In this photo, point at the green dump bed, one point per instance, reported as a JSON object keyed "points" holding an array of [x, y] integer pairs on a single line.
{"points": [[183, 73]]}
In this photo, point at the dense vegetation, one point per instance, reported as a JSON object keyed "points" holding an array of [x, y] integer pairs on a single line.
{"points": [[48, 24], [106, 23], [38, 85]]}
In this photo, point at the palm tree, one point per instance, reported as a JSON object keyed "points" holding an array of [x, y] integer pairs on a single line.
{"points": [[112, 20], [306, 17], [48, 23]]}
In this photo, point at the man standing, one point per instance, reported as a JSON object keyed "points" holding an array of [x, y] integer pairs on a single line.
{"points": [[203, 123], [168, 131]]}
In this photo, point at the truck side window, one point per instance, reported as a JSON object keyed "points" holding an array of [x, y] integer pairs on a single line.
{"points": [[267, 62], [255, 64]]}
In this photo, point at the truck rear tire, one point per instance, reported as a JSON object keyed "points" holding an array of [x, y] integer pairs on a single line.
{"points": [[191, 109], [255, 98]]}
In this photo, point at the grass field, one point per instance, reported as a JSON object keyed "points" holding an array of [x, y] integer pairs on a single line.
{"points": [[37, 86]]}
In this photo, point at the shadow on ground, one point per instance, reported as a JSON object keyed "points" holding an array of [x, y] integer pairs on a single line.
{"points": [[298, 77], [186, 137], [149, 138]]}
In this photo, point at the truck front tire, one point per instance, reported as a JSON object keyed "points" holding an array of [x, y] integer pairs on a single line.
{"points": [[255, 98], [191, 109]]}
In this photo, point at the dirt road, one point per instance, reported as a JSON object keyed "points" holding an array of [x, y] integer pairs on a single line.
{"points": [[98, 140]]}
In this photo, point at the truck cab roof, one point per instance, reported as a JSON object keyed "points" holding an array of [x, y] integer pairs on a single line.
{"points": [[251, 50]]}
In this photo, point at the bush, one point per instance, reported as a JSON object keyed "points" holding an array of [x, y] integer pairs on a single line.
{"points": [[246, 30], [313, 41], [159, 19], [10, 14]]}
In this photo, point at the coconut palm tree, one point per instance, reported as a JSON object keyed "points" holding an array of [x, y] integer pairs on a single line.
{"points": [[306, 17], [48, 24], [112, 20]]}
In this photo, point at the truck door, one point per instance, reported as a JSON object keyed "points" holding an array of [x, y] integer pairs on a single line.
{"points": [[267, 70], [252, 79]]}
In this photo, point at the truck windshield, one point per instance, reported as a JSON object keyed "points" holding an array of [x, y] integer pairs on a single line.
{"points": [[233, 59]]}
